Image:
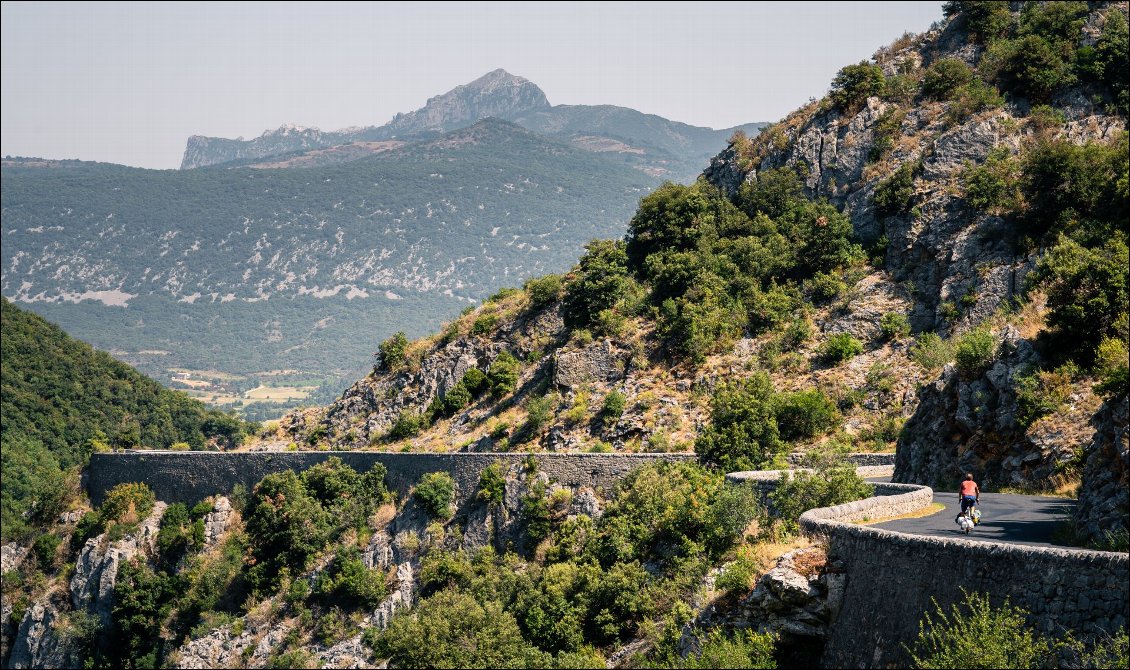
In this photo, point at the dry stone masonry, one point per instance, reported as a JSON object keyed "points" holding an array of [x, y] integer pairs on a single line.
{"points": [[193, 476]]}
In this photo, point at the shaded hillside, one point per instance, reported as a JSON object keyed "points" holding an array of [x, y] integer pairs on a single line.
{"points": [[63, 399]]}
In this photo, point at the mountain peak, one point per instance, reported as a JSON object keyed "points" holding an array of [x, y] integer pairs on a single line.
{"points": [[497, 93]]}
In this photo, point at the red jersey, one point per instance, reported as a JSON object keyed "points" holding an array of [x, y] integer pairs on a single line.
{"points": [[968, 488]]}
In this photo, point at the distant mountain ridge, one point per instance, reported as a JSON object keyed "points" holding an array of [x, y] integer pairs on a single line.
{"points": [[269, 262], [653, 144]]}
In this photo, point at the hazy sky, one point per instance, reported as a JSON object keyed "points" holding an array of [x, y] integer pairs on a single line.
{"points": [[128, 83]]}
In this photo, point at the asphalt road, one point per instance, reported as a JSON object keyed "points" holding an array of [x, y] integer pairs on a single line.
{"points": [[1004, 518]]}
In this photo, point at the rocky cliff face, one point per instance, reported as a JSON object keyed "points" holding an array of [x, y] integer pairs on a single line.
{"points": [[51, 633], [972, 425], [960, 264], [498, 94], [940, 246], [1104, 499]]}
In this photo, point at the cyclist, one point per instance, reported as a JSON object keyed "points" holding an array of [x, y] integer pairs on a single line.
{"points": [[969, 493]]}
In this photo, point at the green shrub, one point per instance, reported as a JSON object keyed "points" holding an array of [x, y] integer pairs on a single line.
{"points": [[738, 577], [539, 411], [613, 406], [1087, 293], [407, 424], [435, 493], [286, 527], [44, 549], [544, 290], [743, 433], [944, 77], [1032, 66], [894, 326], [536, 514], [805, 414], [475, 381], [349, 582], [1043, 392], [841, 347], [831, 483], [893, 195], [931, 351], [974, 97], [1111, 367], [993, 185], [393, 351], [503, 374], [1046, 117], [492, 483], [984, 20], [973, 634], [456, 398], [975, 352], [127, 503], [826, 287], [1076, 190], [855, 83], [179, 533], [484, 324], [460, 633], [745, 649], [600, 281], [887, 130]]}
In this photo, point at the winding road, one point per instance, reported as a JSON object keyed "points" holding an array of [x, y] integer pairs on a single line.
{"points": [[1015, 519]]}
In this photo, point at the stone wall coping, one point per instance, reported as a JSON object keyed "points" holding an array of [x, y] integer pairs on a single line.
{"points": [[763, 476], [439, 454]]}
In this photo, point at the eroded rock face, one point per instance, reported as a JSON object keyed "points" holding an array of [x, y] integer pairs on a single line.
{"points": [[11, 556], [598, 362], [368, 408], [797, 599], [217, 522], [96, 571], [970, 425], [44, 639], [1104, 498]]}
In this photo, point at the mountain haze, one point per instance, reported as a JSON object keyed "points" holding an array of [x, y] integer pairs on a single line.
{"points": [[662, 148]]}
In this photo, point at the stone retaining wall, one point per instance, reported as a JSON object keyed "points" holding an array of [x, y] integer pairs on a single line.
{"points": [[190, 476], [893, 578]]}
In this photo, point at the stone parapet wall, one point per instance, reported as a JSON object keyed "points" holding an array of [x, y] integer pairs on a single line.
{"points": [[194, 475], [894, 578]]}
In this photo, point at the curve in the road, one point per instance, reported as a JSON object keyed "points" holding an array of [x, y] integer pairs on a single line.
{"points": [[1014, 519]]}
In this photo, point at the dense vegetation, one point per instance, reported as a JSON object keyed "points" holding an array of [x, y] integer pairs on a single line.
{"points": [[64, 400], [974, 634], [599, 583]]}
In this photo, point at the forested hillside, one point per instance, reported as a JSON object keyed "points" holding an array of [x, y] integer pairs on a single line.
{"points": [[63, 400]]}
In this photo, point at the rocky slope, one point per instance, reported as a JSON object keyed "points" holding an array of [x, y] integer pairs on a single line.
{"points": [[962, 264]]}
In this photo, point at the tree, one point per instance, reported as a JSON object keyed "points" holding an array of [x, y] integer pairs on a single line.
{"points": [[944, 77], [855, 83], [392, 351], [600, 281], [503, 374], [743, 433], [435, 493]]}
